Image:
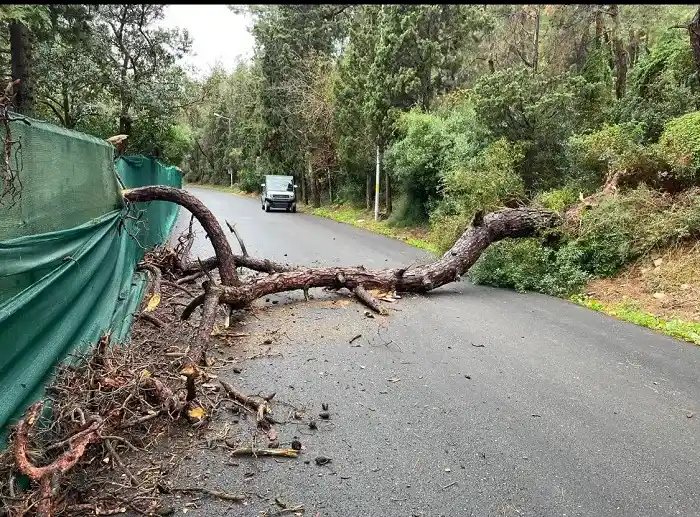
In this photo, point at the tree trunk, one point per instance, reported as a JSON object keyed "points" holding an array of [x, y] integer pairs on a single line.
{"points": [[598, 17], [313, 183], [619, 52], [21, 55], [633, 47], [694, 32], [492, 66], [369, 183], [387, 193], [536, 56], [512, 222], [582, 49], [125, 123]]}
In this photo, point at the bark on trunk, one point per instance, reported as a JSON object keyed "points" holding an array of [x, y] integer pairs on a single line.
{"points": [[21, 55], [313, 183], [598, 18], [619, 52], [368, 192], [387, 193], [536, 56], [694, 32]]}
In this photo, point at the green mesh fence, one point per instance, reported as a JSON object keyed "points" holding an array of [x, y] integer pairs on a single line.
{"points": [[67, 255]]}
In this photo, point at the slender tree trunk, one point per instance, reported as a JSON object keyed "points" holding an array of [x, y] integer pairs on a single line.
{"points": [[598, 17], [21, 55], [492, 66], [619, 52], [313, 183], [582, 49], [536, 56], [633, 47], [694, 32], [369, 183], [387, 187]]}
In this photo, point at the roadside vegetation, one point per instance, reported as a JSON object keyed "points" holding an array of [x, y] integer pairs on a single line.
{"points": [[556, 106], [602, 108]]}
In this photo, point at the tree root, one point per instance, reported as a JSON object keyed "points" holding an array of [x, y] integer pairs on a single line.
{"points": [[65, 462]]}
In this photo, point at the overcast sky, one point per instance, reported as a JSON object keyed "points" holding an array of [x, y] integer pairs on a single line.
{"points": [[217, 34]]}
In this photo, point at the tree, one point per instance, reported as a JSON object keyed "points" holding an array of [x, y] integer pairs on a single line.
{"points": [[138, 56]]}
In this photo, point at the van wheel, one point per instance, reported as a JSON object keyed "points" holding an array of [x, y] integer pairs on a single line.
{"points": [[262, 206], [267, 206], [294, 208]]}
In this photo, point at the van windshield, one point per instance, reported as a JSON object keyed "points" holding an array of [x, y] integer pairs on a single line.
{"points": [[280, 183]]}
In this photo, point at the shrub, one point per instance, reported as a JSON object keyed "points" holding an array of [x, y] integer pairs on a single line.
{"points": [[485, 182], [616, 232], [679, 144]]}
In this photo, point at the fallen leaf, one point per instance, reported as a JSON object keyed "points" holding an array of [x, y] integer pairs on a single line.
{"points": [[659, 296], [153, 303], [658, 262], [272, 435], [197, 413], [145, 374]]}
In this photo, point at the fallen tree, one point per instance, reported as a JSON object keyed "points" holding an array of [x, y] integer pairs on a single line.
{"points": [[169, 267], [484, 230]]}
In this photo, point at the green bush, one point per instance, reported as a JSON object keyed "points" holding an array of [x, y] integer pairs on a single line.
{"points": [[559, 199], [416, 160], [609, 236], [485, 182], [250, 180], [679, 144], [662, 85]]}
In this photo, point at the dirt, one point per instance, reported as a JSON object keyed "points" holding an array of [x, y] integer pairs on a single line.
{"points": [[665, 284]]}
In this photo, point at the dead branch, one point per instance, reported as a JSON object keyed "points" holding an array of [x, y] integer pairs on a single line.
{"points": [[150, 318], [214, 493], [155, 283], [261, 408], [370, 301], [232, 229], [65, 462], [249, 451], [224, 255], [515, 222]]}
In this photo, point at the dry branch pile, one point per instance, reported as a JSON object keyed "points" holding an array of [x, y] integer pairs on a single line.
{"points": [[123, 393]]}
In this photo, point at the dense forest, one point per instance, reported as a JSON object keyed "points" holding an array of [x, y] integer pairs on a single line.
{"points": [[466, 108]]}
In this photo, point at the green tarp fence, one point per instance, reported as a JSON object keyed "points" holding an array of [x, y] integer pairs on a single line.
{"points": [[67, 255]]}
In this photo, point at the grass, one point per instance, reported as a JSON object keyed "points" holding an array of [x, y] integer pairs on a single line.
{"points": [[626, 311], [221, 188], [363, 219]]}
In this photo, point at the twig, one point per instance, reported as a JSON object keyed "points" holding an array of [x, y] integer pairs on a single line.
{"points": [[118, 460], [150, 318], [214, 493], [250, 451], [232, 228]]}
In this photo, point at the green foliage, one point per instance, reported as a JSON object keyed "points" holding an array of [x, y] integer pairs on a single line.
{"points": [[612, 234], [680, 144], [559, 199], [484, 182], [662, 86], [417, 160], [538, 112]]}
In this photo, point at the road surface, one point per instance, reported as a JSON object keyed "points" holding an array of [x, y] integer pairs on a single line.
{"points": [[467, 401]]}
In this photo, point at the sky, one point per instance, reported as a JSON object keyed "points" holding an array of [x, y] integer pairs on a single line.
{"points": [[217, 35]]}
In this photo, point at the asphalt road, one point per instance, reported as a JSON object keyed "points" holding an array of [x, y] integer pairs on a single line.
{"points": [[468, 401]]}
